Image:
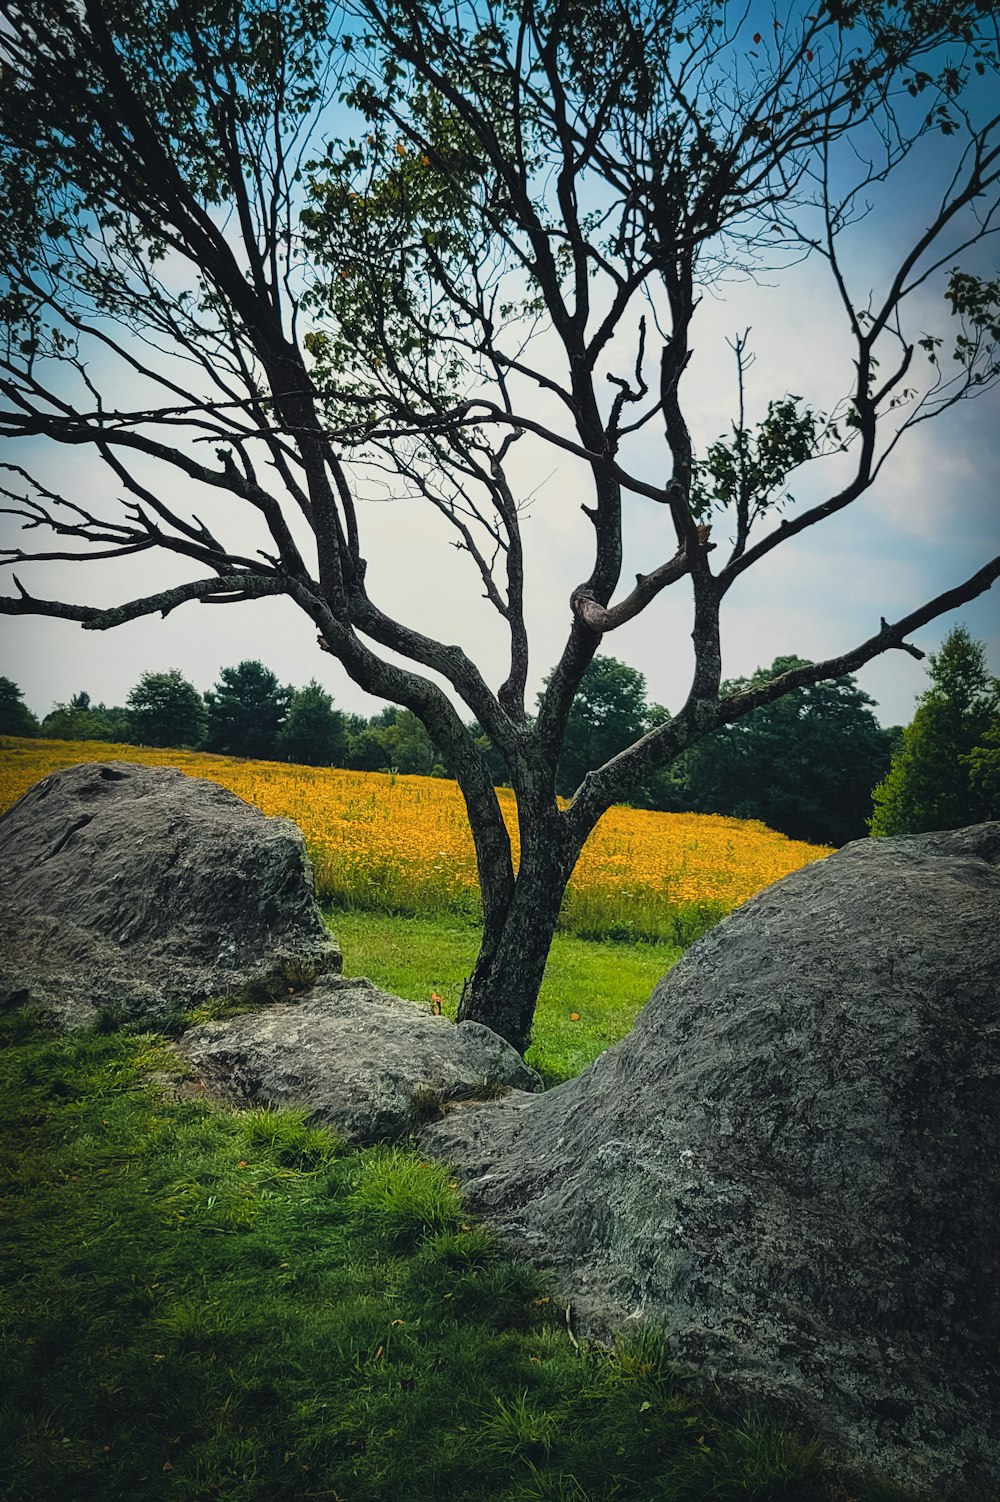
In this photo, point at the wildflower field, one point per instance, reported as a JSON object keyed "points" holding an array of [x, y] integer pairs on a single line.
{"points": [[389, 843]]}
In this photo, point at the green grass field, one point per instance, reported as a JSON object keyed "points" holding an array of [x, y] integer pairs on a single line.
{"points": [[201, 1303], [590, 997]]}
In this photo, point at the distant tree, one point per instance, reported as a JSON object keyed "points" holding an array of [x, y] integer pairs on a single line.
{"points": [[313, 733], [115, 723], [804, 764], [365, 751], [65, 723], [15, 716], [75, 720], [246, 710], [164, 709], [608, 715], [406, 746], [944, 775], [498, 769]]}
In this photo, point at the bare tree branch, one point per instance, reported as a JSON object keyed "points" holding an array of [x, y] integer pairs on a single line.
{"points": [[511, 242], [699, 718]]}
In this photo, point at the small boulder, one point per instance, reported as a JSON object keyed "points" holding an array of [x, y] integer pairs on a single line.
{"points": [[142, 890], [366, 1063], [792, 1163]]}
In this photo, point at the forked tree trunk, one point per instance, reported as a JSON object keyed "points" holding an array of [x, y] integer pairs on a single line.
{"points": [[503, 991]]}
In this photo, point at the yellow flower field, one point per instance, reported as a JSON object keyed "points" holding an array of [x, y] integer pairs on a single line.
{"points": [[397, 843]]}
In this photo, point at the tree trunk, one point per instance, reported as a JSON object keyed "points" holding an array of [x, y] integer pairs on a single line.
{"points": [[503, 991]]}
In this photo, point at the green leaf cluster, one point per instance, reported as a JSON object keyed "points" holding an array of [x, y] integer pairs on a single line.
{"points": [[975, 302], [750, 470]]}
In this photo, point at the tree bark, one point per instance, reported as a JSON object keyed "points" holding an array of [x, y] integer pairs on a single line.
{"points": [[504, 987]]}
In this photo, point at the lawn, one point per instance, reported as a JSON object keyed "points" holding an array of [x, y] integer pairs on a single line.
{"points": [[200, 1304], [590, 997]]}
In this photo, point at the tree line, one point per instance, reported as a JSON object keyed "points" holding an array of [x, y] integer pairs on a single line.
{"points": [[247, 713], [815, 764]]}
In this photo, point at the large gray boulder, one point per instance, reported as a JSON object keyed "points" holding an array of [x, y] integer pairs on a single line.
{"points": [[368, 1064], [793, 1161], [143, 890]]}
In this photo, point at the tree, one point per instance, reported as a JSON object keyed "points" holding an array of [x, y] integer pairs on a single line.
{"points": [[71, 722], [365, 751], [805, 764], [15, 716], [406, 746], [579, 169], [164, 709], [945, 774], [246, 711], [608, 714], [314, 732], [80, 720], [983, 762], [112, 721]]}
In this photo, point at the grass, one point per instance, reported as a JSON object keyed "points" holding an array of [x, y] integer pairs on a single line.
{"points": [[199, 1303], [642, 916], [206, 1304], [590, 997]]}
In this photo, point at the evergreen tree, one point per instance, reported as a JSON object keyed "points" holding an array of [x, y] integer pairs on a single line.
{"points": [[804, 764], [314, 732], [164, 709], [15, 716], [944, 776], [246, 710]]}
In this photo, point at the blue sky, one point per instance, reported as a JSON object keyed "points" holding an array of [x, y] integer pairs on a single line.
{"points": [[931, 519]]}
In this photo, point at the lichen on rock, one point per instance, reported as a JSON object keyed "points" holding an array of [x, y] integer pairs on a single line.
{"points": [[142, 890], [793, 1161]]}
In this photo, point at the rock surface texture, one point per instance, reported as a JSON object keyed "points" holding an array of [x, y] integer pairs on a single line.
{"points": [[144, 890], [370, 1065], [793, 1161]]}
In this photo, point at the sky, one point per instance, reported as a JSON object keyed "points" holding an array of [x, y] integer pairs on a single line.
{"points": [[932, 518]]}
